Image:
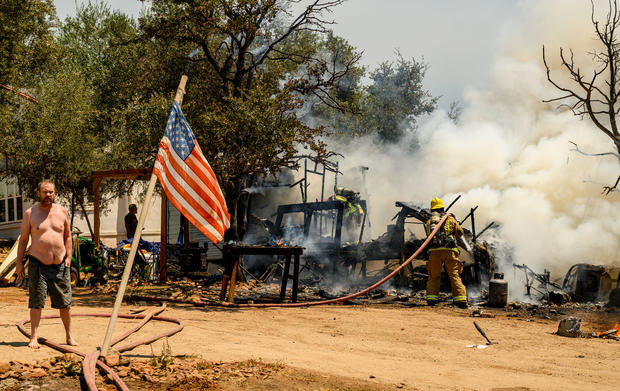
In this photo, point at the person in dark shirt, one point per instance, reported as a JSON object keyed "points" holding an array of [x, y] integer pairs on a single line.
{"points": [[131, 221]]}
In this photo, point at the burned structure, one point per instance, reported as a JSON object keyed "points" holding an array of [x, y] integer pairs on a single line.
{"points": [[582, 282], [332, 232], [586, 282], [478, 261]]}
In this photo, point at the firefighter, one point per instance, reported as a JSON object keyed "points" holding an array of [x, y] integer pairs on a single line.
{"points": [[442, 250], [353, 211]]}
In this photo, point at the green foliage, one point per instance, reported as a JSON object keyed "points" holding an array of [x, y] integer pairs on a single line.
{"points": [[263, 89], [386, 107], [249, 82], [397, 97], [163, 359], [27, 51], [71, 369], [55, 138], [26, 40], [75, 128], [93, 40]]}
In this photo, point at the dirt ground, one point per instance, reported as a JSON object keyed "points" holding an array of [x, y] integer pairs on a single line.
{"points": [[342, 347]]}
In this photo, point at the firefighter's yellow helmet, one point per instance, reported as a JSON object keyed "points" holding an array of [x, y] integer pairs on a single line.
{"points": [[437, 203]]}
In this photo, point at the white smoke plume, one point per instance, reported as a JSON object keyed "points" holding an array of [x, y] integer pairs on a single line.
{"points": [[510, 154]]}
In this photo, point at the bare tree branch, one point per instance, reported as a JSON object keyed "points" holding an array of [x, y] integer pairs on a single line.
{"points": [[587, 96]]}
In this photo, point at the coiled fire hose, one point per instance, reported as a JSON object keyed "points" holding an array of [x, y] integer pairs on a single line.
{"points": [[91, 359], [306, 304]]}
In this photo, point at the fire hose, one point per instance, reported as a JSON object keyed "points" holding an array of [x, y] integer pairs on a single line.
{"points": [[305, 304], [91, 359]]}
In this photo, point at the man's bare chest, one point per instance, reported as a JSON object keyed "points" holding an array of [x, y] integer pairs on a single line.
{"points": [[42, 221]]}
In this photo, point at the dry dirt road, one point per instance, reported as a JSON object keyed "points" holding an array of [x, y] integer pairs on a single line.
{"points": [[392, 346]]}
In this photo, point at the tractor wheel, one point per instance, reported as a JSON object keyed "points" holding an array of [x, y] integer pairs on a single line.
{"points": [[74, 276]]}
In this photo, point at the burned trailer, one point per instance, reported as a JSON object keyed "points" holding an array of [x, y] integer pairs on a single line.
{"points": [[586, 282], [583, 282], [478, 261], [327, 251]]}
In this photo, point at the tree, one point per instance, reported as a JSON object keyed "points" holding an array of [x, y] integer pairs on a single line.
{"points": [[388, 106], [103, 45], [27, 51], [397, 97], [54, 139], [249, 79], [595, 95], [71, 131]]}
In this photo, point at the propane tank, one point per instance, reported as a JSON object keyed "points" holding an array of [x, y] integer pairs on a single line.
{"points": [[498, 291]]}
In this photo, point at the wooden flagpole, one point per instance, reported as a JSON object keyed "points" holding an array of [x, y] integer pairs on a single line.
{"points": [[136, 240]]}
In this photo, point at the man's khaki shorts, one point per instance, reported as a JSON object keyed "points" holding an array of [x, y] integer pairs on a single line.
{"points": [[55, 279]]}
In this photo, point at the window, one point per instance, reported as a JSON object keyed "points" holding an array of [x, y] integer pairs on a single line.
{"points": [[11, 206]]}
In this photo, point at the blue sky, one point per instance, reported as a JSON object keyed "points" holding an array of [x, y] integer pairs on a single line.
{"points": [[459, 39]]}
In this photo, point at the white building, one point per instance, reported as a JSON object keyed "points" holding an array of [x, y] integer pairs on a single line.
{"points": [[12, 207]]}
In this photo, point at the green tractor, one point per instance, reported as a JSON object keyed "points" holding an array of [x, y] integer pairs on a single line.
{"points": [[87, 259]]}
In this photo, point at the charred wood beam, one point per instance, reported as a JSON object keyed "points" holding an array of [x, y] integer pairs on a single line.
{"points": [[419, 214], [485, 228], [453, 202], [310, 206], [468, 215]]}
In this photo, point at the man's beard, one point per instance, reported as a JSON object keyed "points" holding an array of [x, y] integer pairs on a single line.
{"points": [[47, 201]]}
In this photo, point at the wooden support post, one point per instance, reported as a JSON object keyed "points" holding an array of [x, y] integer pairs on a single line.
{"points": [[295, 278], [185, 232], [473, 226], [163, 239], [96, 211], [224, 287], [285, 273], [228, 261], [233, 278]]}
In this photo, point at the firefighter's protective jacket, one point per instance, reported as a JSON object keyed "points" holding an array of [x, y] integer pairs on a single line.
{"points": [[445, 239], [353, 208]]}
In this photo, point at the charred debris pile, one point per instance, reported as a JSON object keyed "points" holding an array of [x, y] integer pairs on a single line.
{"points": [[338, 261]]}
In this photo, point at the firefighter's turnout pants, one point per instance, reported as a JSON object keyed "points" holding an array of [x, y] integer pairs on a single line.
{"points": [[453, 267]]}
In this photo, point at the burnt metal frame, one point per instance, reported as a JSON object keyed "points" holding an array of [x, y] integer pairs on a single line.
{"points": [[309, 208], [544, 279], [327, 167]]}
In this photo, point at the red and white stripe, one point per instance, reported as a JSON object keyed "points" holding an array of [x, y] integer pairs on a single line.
{"points": [[191, 186]]}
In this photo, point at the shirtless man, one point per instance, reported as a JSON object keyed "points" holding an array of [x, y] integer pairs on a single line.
{"points": [[49, 258]]}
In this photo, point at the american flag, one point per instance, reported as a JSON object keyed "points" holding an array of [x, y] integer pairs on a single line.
{"points": [[188, 180]]}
